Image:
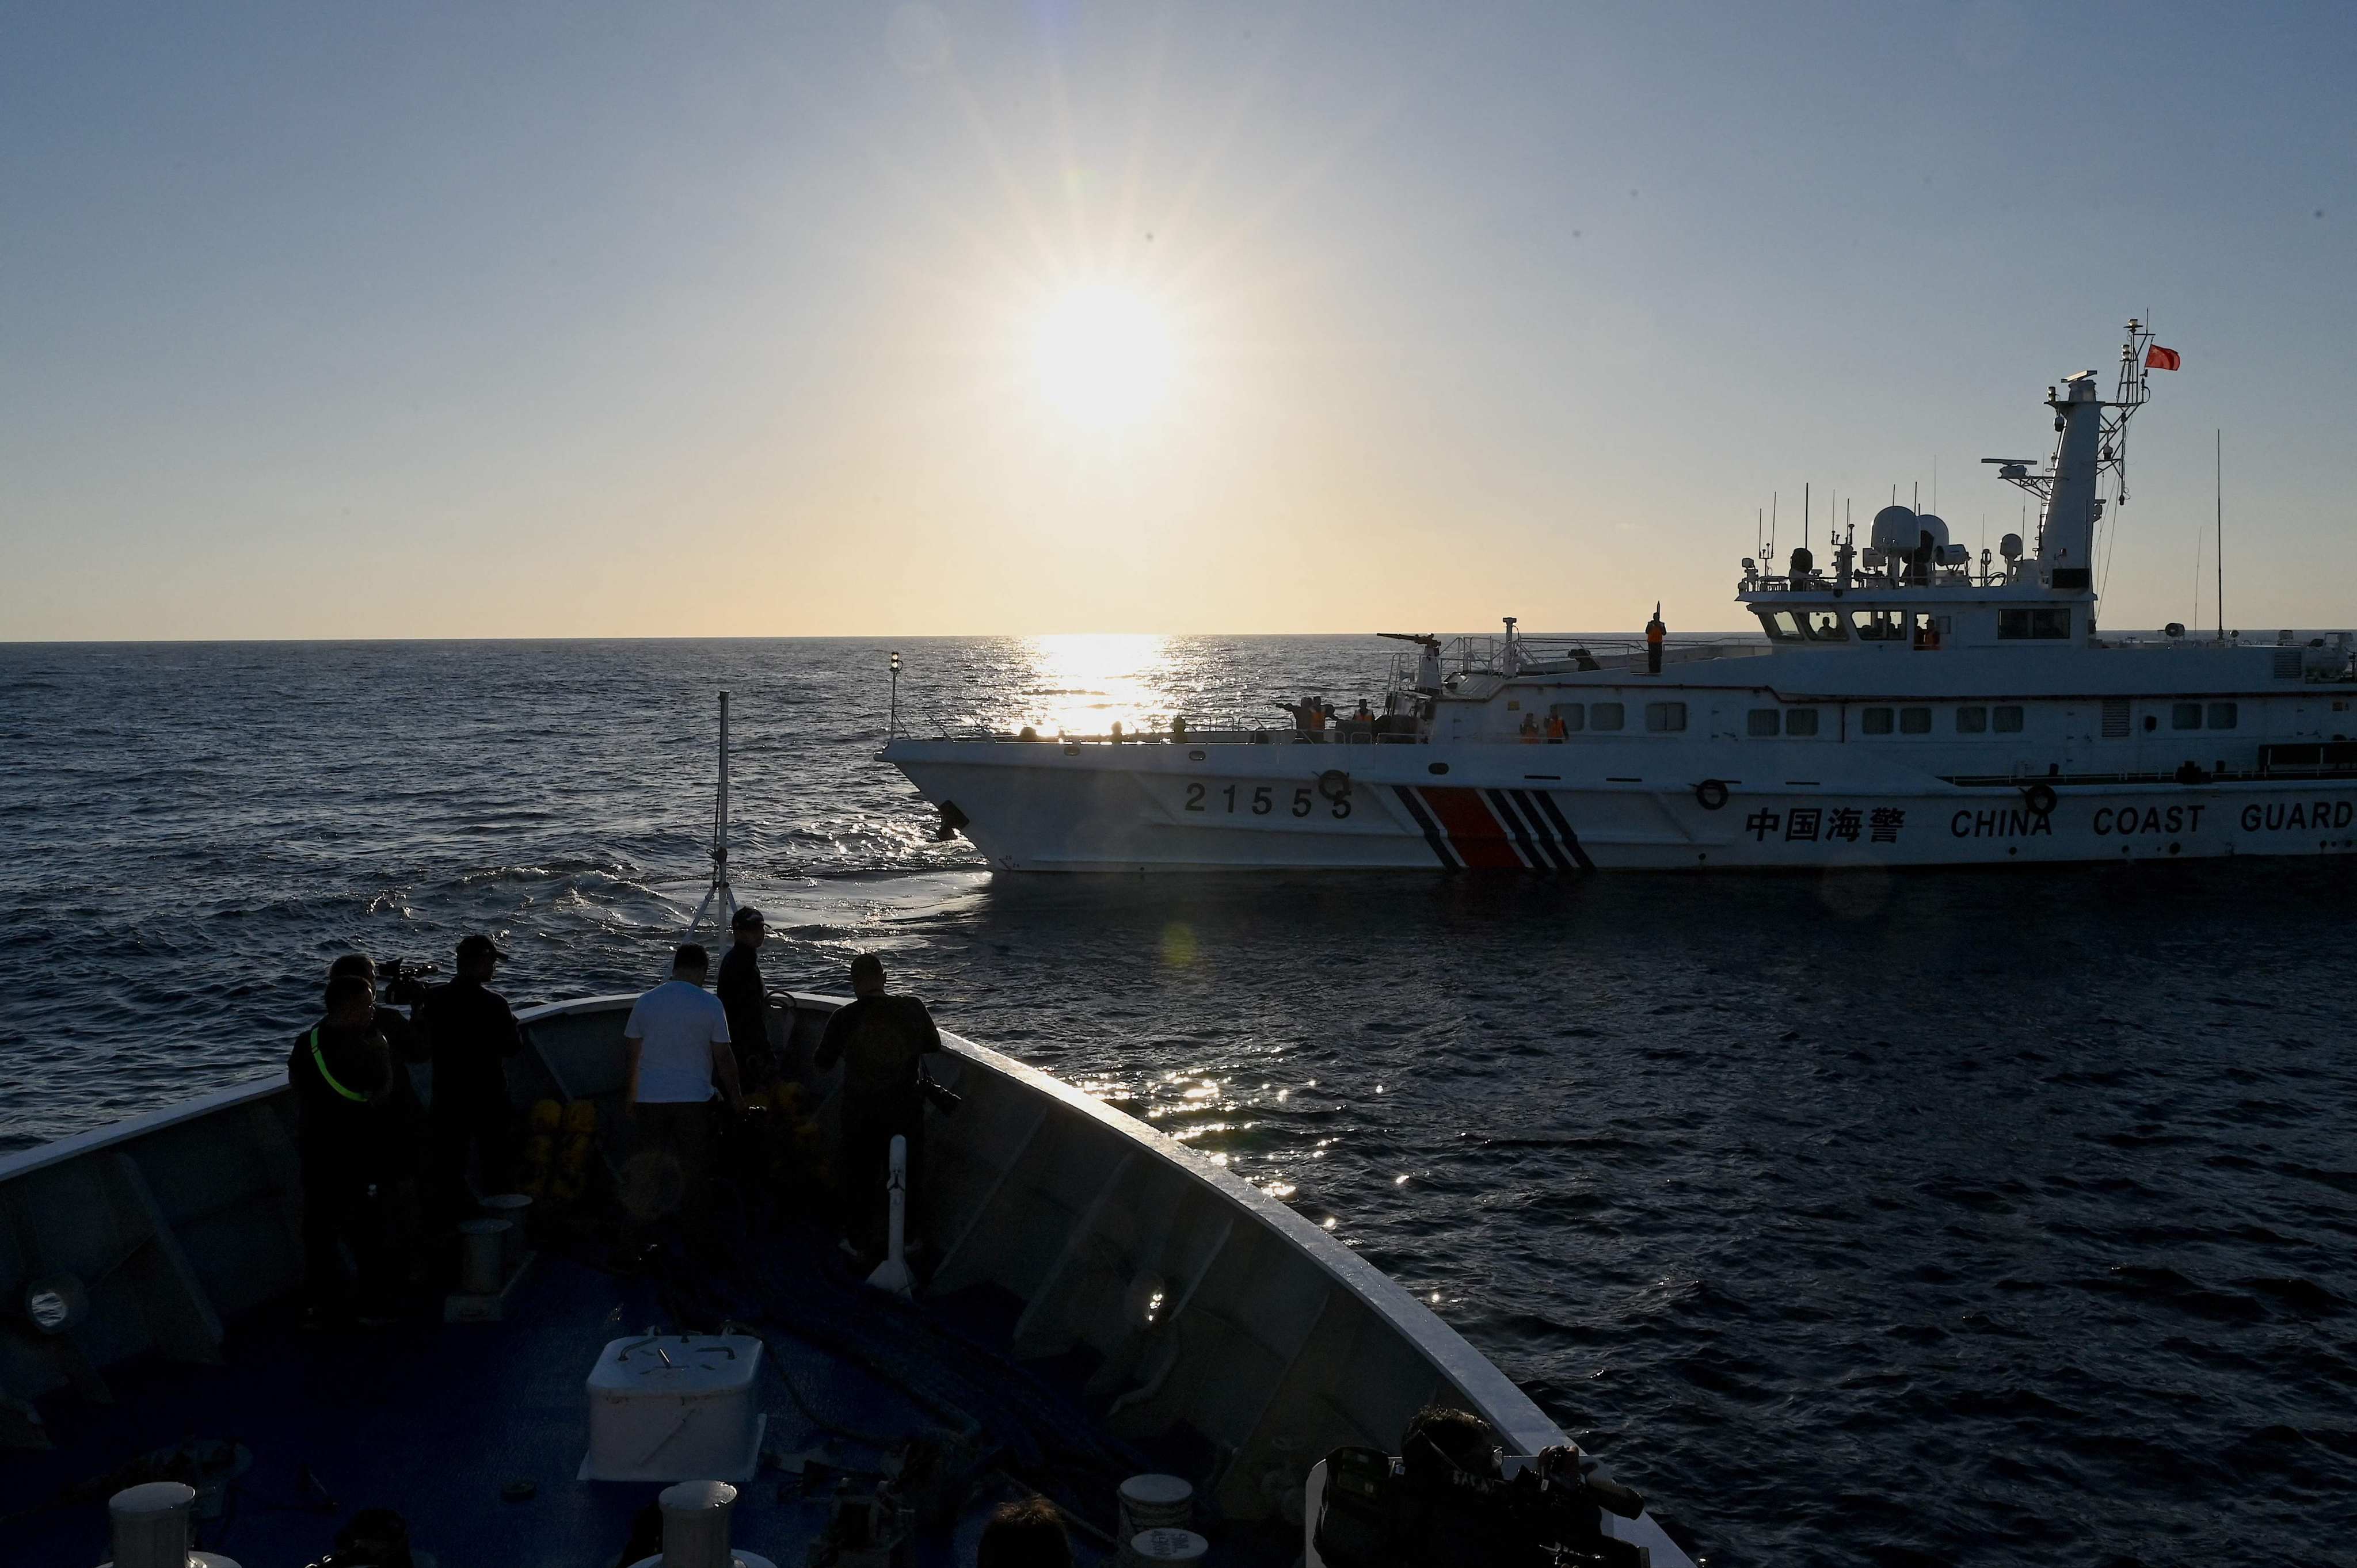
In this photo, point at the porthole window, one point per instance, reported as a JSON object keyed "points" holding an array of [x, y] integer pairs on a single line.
{"points": [[2223, 716], [1761, 722], [1664, 718], [1573, 715], [1874, 721], [2005, 718], [2185, 715], [1605, 716], [1801, 722], [1972, 720], [1914, 721]]}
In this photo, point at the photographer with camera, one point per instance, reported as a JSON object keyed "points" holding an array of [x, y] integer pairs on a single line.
{"points": [[342, 1073], [882, 1041], [1446, 1501], [396, 1154], [471, 1032]]}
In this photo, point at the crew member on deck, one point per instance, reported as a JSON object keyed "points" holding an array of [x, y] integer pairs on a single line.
{"points": [[746, 1003], [880, 1040], [341, 1072], [400, 1159], [470, 1032], [676, 1063], [1655, 632]]}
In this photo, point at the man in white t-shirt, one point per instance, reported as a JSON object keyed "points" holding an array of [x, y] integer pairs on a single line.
{"points": [[676, 1050]]}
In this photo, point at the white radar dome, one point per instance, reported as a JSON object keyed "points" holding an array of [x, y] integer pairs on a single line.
{"points": [[2010, 547], [1937, 527], [1894, 529]]}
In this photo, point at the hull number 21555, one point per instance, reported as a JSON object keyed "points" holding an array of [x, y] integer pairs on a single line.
{"points": [[1259, 800]]}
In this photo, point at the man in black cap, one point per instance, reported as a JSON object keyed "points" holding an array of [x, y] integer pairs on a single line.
{"points": [[741, 994], [341, 1072], [471, 1033], [879, 1039]]}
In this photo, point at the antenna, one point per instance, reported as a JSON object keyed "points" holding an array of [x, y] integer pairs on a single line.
{"points": [[2218, 461], [1805, 514], [719, 898]]}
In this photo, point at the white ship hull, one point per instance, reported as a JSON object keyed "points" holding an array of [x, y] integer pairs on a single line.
{"points": [[1914, 708], [1158, 807]]}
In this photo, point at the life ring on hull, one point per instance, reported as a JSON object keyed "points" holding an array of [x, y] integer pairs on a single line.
{"points": [[1710, 794], [1334, 784], [2040, 797]]}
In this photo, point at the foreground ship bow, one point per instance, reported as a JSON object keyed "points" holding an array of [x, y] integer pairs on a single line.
{"points": [[1910, 706]]}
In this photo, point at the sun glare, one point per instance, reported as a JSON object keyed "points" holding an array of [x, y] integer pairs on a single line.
{"points": [[1104, 356]]}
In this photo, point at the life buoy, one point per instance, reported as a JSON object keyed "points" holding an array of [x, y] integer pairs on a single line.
{"points": [[1334, 784], [2040, 797], [1710, 794]]}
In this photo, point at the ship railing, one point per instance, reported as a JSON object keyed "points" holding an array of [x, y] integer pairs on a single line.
{"points": [[1486, 655], [924, 716]]}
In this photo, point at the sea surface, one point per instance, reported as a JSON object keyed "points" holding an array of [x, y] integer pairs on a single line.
{"points": [[1997, 1217]]}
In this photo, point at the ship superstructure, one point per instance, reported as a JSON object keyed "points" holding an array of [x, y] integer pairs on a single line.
{"points": [[1906, 704]]}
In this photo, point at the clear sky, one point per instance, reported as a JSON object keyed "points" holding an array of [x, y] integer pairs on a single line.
{"points": [[779, 319]]}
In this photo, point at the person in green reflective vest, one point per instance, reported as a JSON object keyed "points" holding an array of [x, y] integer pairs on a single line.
{"points": [[341, 1071]]}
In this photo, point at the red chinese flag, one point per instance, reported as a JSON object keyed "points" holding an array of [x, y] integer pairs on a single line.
{"points": [[2159, 358]]}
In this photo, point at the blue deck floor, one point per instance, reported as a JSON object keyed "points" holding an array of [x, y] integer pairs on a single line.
{"points": [[434, 1421]]}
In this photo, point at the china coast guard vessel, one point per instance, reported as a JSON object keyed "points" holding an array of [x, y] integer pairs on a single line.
{"points": [[1909, 705]]}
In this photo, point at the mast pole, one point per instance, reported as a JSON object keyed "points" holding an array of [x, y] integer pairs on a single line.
{"points": [[2218, 482], [719, 900]]}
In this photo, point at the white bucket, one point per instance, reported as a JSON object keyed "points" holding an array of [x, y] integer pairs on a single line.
{"points": [[515, 1208], [1155, 1503]]}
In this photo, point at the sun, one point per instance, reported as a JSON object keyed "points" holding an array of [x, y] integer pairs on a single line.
{"points": [[1103, 357]]}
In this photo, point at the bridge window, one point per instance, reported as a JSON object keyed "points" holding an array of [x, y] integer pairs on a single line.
{"points": [[1761, 722], [1664, 718], [1874, 721], [1879, 625], [1605, 716], [2223, 716], [1972, 720], [2045, 626], [1782, 626], [1800, 721], [1825, 626], [1914, 721], [2005, 718]]}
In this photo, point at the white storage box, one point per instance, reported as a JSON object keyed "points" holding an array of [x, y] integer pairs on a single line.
{"points": [[677, 1408]]}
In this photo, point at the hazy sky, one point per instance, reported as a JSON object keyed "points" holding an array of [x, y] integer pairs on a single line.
{"points": [[777, 319]]}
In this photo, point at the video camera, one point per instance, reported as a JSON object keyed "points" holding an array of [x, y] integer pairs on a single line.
{"points": [[1444, 1502], [403, 984], [942, 1097]]}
